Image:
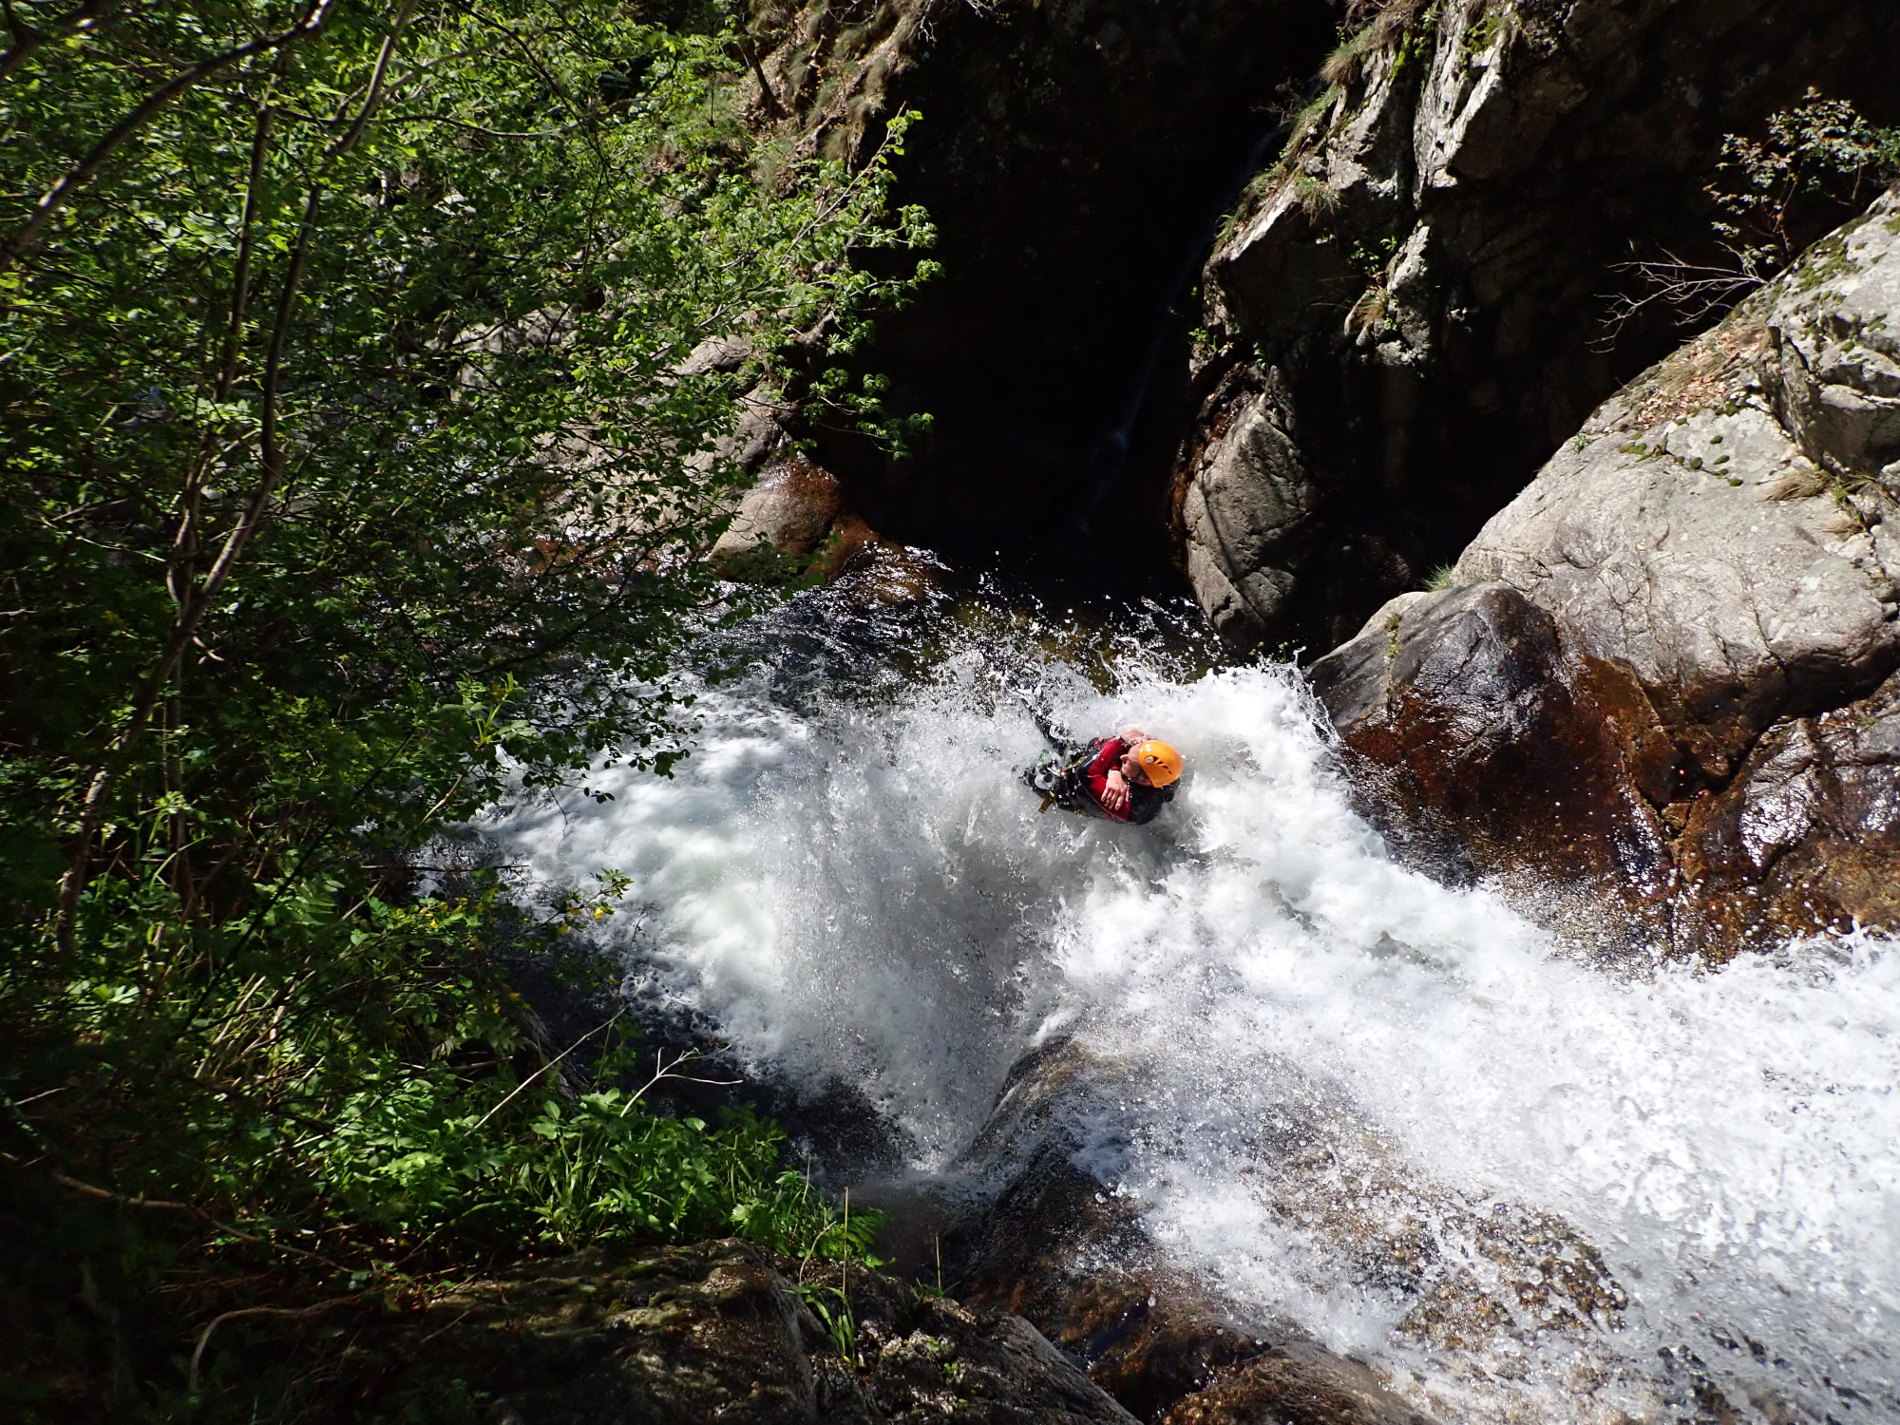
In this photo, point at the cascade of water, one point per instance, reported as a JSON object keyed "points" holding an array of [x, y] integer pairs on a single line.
{"points": [[853, 884]]}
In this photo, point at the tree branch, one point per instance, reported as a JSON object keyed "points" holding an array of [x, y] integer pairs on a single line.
{"points": [[77, 178], [88, 18], [204, 1336], [272, 458]]}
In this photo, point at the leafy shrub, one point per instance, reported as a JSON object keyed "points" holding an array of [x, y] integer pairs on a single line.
{"points": [[352, 464], [1819, 157], [1817, 163]]}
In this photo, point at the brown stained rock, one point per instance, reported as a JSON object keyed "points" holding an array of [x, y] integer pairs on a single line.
{"points": [[1146, 1335], [789, 511], [1070, 1256], [1288, 1391], [1808, 833], [794, 523], [1486, 748], [1667, 675], [1072, 1260]]}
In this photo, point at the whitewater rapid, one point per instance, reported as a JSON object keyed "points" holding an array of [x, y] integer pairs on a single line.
{"points": [[846, 878]]}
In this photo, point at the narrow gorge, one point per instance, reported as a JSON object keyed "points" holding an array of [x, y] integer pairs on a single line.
{"points": [[1468, 429]]}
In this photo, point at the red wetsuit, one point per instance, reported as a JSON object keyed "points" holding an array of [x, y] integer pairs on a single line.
{"points": [[1143, 800], [1108, 755], [1083, 783]]}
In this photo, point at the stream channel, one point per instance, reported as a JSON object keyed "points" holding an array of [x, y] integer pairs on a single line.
{"points": [[845, 878]]}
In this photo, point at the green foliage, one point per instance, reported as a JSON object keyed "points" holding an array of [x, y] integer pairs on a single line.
{"points": [[1373, 260], [1307, 120], [415, 1157], [830, 1301], [1818, 163], [1819, 157], [354, 466], [1342, 65], [1484, 29], [1370, 27], [832, 1306]]}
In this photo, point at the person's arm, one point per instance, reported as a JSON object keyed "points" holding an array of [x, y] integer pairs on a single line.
{"points": [[1106, 783]]}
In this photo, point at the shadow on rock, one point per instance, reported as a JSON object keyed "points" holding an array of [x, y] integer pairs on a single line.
{"points": [[720, 1331]]}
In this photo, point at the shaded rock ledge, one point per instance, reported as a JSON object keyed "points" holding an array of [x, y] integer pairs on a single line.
{"points": [[676, 1336], [1666, 673]]}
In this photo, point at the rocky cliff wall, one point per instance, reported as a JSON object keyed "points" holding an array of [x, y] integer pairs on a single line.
{"points": [[1074, 155], [1406, 319]]}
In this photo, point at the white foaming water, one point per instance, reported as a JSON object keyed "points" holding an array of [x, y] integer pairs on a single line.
{"points": [[1522, 1186]]}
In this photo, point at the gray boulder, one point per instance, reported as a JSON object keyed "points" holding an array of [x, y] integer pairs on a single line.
{"points": [[1721, 526], [1698, 602], [1246, 511]]}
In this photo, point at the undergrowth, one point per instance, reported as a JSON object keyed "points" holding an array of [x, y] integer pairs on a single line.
{"points": [[352, 472], [329, 1102]]}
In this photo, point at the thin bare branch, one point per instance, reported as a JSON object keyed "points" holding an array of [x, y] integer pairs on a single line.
{"points": [[515, 1092], [104, 1195], [293, 1312]]}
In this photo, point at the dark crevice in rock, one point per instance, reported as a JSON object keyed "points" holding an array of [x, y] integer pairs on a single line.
{"points": [[1076, 158]]}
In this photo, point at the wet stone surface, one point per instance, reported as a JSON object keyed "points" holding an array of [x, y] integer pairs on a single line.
{"points": [[1663, 674]]}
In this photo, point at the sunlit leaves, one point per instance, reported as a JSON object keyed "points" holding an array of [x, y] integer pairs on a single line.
{"points": [[353, 464]]}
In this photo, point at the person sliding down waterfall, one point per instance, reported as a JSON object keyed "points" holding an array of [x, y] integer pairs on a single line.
{"points": [[1129, 777]]}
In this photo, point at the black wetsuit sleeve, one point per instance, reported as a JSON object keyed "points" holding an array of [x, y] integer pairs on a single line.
{"points": [[1145, 803]]}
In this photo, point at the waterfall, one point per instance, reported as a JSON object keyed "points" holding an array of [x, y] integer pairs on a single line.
{"points": [[847, 878]]}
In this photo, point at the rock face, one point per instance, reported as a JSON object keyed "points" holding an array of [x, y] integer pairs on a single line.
{"points": [[1073, 155], [714, 1332], [1062, 1249], [1065, 1249], [1411, 302], [1678, 645], [794, 519]]}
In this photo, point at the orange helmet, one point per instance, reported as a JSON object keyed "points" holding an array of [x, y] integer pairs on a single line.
{"points": [[1160, 763]]}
